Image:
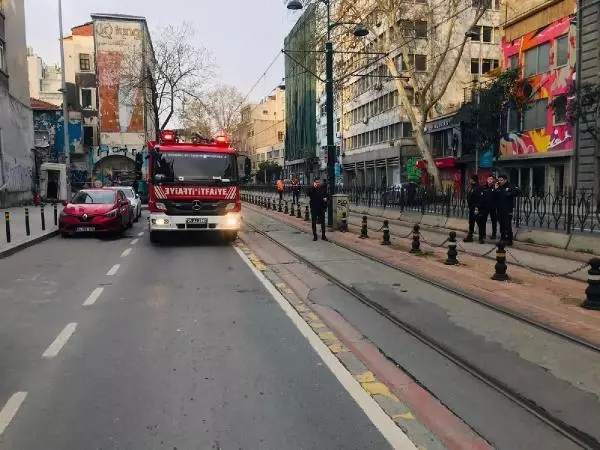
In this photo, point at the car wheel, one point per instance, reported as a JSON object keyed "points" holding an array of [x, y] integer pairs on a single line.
{"points": [[154, 237], [130, 224], [64, 234], [231, 236]]}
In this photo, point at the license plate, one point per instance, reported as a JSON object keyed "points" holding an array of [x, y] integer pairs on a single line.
{"points": [[85, 229], [196, 220]]}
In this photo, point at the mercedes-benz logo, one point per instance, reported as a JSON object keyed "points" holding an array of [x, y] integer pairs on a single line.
{"points": [[196, 205]]}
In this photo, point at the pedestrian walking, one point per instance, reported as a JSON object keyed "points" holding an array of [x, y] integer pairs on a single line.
{"points": [[318, 204], [473, 194], [280, 189], [487, 207], [505, 200], [295, 191]]}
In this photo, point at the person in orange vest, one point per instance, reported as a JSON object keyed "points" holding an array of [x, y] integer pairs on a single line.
{"points": [[280, 189], [295, 191]]}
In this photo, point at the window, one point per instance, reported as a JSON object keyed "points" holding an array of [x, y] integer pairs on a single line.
{"points": [[489, 64], [421, 29], [513, 62], [560, 109], [407, 129], [420, 63], [475, 66], [513, 124], [265, 112], [476, 33], [86, 99], [489, 4], [562, 51], [280, 136], [487, 34], [537, 60], [85, 64], [88, 136], [497, 35], [337, 125], [535, 115]]}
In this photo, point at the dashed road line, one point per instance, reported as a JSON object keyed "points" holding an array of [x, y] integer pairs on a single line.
{"points": [[126, 252], [387, 427], [60, 341], [141, 233], [93, 296], [9, 411], [113, 270], [134, 241]]}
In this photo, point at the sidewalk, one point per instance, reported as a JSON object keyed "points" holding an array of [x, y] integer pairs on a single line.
{"points": [[19, 239], [545, 261], [551, 300]]}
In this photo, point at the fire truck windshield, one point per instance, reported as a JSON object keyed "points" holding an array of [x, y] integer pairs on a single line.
{"points": [[182, 167]]}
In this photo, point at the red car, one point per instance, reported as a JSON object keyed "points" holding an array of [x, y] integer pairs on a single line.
{"points": [[95, 211]]}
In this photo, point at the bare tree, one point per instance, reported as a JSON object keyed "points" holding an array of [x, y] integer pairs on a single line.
{"points": [[177, 72], [439, 30]]}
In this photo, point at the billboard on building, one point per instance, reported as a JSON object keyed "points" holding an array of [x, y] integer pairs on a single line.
{"points": [[119, 59]]}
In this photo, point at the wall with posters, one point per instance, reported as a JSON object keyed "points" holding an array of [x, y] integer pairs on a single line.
{"points": [[120, 60]]}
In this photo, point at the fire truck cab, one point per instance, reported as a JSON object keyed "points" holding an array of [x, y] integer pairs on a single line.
{"points": [[193, 186]]}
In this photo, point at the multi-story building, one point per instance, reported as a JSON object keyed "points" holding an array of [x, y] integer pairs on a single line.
{"points": [[587, 152], [539, 38], [261, 133], [378, 139], [44, 81], [16, 117]]}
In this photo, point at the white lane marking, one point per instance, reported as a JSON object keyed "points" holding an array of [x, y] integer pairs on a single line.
{"points": [[93, 296], [126, 252], [60, 341], [141, 234], [9, 411], [386, 426], [134, 241], [113, 270]]}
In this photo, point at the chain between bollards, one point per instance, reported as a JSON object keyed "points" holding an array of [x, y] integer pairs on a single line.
{"points": [[592, 292], [452, 259], [364, 230], [344, 223], [27, 228], [500, 266], [415, 246], [386, 233], [7, 225]]}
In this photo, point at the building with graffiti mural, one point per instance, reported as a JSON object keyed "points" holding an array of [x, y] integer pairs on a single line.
{"points": [[539, 39]]}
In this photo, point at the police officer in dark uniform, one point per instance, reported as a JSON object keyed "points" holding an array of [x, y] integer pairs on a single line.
{"points": [[473, 194], [487, 207], [318, 204], [505, 202]]}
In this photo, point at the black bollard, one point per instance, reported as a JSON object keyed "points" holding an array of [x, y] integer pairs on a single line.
{"points": [[386, 233], [364, 230], [269, 203], [415, 246], [292, 212], [306, 214], [7, 225], [27, 228], [274, 205], [452, 253], [592, 292], [500, 267], [279, 209], [43, 218], [299, 211], [344, 223], [55, 215], [286, 210]]}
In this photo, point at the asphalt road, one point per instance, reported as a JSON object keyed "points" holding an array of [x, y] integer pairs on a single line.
{"points": [[176, 347]]}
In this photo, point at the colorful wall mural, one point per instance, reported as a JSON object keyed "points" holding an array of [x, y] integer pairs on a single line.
{"points": [[119, 58], [52, 123], [554, 84]]}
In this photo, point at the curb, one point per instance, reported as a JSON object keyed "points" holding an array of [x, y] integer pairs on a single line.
{"points": [[30, 243]]}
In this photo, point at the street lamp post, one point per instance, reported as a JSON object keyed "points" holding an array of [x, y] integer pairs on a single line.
{"points": [[66, 146], [359, 31]]}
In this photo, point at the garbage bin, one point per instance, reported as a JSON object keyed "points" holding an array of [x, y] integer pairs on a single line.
{"points": [[340, 205]]}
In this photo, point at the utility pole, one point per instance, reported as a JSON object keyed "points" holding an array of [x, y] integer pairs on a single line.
{"points": [[66, 146], [329, 113]]}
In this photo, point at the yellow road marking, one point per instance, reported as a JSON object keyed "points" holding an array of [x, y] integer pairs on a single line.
{"points": [[366, 377], [337, 348], [301, 307], [406, 416], [379, 389], [316, 325], [328, 336]]}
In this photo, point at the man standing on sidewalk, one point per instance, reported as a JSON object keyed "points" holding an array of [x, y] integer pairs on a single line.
{"points": [[280, 189], [295, 190], [487, 206], [318, 204], [506, 204], [473, 194]]}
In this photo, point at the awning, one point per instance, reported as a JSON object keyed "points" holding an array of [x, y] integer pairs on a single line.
{"points": [[440, 163]]}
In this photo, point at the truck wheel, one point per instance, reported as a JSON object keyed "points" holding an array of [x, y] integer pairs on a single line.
{"points": [[154, 237], [231, 236]]}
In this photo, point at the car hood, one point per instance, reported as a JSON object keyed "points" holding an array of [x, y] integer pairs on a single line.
{"points": [[95, 209]]}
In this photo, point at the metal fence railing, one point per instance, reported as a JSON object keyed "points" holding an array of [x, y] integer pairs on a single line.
{"points": [[569, 211]]}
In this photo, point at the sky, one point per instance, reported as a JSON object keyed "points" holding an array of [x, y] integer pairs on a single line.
{"points": [[244, 36]]}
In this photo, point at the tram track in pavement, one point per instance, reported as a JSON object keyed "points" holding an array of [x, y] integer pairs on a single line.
{"points": [[567, 430]]}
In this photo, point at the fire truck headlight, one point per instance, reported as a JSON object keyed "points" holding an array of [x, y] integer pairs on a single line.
{"points": [[160, 221], [161, 206], [232, 220]]}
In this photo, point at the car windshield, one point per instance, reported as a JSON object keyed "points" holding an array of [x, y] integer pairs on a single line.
{"points": [[183, 167], [128, 193], [93, 197]]}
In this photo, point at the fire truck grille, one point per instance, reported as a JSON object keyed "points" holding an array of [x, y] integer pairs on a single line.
{"points": [[192, 208]]}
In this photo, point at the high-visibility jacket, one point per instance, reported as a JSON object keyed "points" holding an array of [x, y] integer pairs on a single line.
{"points": [[279, 186]]}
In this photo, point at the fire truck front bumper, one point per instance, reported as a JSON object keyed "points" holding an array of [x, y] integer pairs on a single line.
{"points": [[163, 222]]}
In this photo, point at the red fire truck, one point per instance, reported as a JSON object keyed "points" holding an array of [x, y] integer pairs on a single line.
{"points": [[193, 186]]}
